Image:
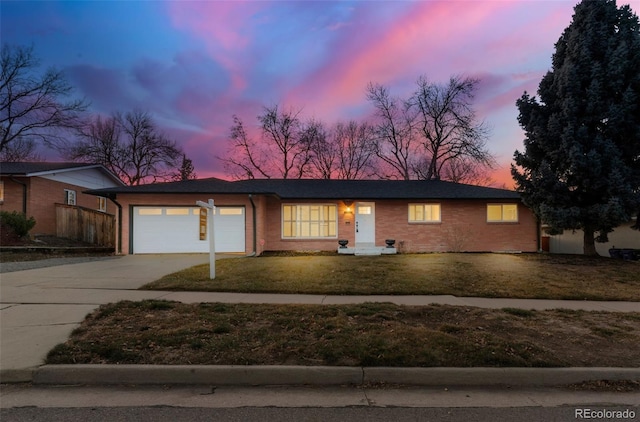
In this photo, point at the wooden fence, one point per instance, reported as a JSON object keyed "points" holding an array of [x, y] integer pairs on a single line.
{"points": [[86, 225]]}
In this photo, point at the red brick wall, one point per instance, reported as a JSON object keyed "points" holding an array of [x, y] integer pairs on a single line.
{"points": [[463, 228], [274, 241], [42, 195]]}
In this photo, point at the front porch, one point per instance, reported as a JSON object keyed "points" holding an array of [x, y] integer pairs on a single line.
{"points": [[367, 249]]}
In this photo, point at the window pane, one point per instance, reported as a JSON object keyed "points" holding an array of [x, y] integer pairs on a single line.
{"points": [[229, 211], [424, 212], [510, 212], [494, 212], [309, 221], [435, 210], [150, 211], [331, 229], [177, 211], [364, 210]]}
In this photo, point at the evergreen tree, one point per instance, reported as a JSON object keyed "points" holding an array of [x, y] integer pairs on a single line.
{"points": [[186, 170], [580, 168]]}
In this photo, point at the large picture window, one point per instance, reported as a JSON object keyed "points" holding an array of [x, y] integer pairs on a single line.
{"points": [[309, 221], [502, 213], [424, 213]]}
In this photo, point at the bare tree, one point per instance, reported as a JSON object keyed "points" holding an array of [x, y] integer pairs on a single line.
{"points": [[448, 129], [394, 130], [282, 130], [347, 151], [284, 152], [32, 105], [129, 145], [244, 159], [20, 149], [466, 170], [356, 146], [324, 153]]}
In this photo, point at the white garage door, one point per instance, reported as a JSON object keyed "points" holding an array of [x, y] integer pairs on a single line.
{"points": [[175, 230]]}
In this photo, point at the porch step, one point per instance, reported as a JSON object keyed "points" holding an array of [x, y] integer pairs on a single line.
{"points": [[367, 250]]}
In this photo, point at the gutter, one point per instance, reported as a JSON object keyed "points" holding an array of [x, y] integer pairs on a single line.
{"points": [[24, 193], [255, 228]]}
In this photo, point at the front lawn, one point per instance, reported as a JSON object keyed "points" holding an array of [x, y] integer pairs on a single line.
{"points": [[381, 334], [538, 276]]}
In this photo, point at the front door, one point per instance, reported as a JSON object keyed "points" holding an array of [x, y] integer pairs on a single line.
{"points": [[365, 223]]}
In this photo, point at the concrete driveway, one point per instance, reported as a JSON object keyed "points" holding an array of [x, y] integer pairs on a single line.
{"points": [[39, 308]]}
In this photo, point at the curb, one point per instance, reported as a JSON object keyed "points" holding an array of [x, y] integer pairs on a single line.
{"points": [[321, 375]]}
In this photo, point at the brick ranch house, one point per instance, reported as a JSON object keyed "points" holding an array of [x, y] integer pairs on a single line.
{"points": [[253, 216], [35, 189]]}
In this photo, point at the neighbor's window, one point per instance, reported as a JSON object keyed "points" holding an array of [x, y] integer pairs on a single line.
{"points": [[424, 213], [69, 197], [102, 204], [1, 191], [502, 213], [309, 221]]}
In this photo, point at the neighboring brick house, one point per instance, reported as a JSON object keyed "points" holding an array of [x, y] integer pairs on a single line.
{"points": [[253, 216], [35, 189]]}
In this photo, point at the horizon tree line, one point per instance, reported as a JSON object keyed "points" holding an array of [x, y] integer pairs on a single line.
{"points": [[431, 135]]}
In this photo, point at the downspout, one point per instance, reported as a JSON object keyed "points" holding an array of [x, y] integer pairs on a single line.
{"points": [[255, 228], [24, 193], [119, 251]]}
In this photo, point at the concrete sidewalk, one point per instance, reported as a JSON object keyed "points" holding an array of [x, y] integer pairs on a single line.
{"points": [[39, 308]]}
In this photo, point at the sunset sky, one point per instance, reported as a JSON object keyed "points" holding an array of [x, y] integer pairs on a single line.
{"points": [[194, 64]]}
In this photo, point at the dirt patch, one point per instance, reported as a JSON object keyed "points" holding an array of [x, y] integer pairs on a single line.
{"points": [[160, 332]]}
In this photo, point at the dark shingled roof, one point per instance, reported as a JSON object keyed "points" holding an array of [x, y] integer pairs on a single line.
{"points": [[25, 168], [324, 189], [28, 169]]}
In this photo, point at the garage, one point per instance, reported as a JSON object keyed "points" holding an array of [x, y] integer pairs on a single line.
{"points": [[175, 229]]}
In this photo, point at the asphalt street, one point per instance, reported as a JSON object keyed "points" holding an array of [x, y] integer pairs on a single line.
{"points": [[25, 402]]}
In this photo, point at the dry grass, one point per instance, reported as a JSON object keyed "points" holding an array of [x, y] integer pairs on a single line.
{"points": [[481, 275], [160, 332]]}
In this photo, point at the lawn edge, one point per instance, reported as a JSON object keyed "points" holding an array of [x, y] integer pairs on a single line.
{"points": [[322, 375]]}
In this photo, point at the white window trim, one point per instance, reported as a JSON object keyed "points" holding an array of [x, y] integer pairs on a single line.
{"points": [[282, 222], [424, 204], [70, 197], [102, 204], [502, 220]]}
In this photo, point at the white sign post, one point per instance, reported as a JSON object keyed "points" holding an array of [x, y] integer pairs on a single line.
{"points": [[212, 245]]}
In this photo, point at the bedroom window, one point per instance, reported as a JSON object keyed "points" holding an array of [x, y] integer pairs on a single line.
{"points": [[502, 213], [69, 197], [309, 221], [102, 204], [424, 213]]}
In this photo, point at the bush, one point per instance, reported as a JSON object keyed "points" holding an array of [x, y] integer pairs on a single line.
{"points": [[19, 222]]}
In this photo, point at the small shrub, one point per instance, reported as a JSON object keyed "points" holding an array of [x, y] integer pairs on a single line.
{"points": [[18, 222]]}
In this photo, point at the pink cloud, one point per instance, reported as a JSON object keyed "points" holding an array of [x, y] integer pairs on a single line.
{"points": [[224, 27], [422, 41]]}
